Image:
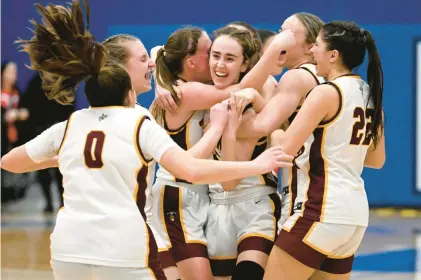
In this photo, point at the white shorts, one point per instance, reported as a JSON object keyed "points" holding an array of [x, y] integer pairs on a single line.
{"points": [[178, 219], [73, 271], [322, 246], [242, 226]]}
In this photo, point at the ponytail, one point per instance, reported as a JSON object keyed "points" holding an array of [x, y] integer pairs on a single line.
{"points": [[375, 81], [165, 78], [66, 54]]}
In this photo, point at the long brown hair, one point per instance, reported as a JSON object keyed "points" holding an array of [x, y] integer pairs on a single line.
{"points": [[169, 62], [65, 53]]}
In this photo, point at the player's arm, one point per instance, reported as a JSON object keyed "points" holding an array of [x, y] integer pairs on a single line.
{"points": [[321, 104], [376, 155], [39, 153], [228, 153], [156, 143], [199, 96], [207, 144], [292, 88]]}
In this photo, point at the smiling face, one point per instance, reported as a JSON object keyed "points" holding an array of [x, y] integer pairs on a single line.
{"points": [[322, 56], [139, 66], [226, 61]]}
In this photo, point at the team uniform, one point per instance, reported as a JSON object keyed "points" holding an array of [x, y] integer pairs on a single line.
{"points": [[105, 156], [289, 175], [243, 219], [179, 207], [331, 208]]}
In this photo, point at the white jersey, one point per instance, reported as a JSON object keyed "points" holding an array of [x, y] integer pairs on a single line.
{"points": [[105, 155], [186, 137], [289, 175], [330, 187]]}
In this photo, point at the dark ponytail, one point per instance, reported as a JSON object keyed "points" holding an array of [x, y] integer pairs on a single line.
{"points": [[375, 81], [352, 42]]}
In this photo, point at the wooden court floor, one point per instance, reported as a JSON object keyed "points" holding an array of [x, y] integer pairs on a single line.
{"points": [[391, 249]]}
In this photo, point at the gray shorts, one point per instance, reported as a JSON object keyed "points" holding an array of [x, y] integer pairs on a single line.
{"points": [[241, 226], [178, 217]]}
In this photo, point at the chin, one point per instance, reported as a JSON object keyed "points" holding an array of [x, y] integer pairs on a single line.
{"points": [[219, 85]]}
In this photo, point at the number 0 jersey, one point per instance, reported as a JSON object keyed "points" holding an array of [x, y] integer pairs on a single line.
{"points": [[105, 156], [330, 187]]}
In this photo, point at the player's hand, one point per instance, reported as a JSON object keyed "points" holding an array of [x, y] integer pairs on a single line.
{"points": [[219, 115], [165, 100], [272, 159]]}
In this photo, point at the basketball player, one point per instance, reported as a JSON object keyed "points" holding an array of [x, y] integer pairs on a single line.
{"points": [[268, 89], [175, 62], [242, 217], [103, 153], [343, 120], [290, 94]]}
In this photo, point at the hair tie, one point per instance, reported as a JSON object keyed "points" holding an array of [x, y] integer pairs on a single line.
{"points": [[362, 33]]}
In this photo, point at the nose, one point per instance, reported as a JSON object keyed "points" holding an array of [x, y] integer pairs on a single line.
{"points": [[220, 63], [151, 63]]}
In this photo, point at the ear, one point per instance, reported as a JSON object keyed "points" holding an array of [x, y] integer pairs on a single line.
{"points": [[308, 49], [131, 98], [190, 62], [244, 66], [334, 56]]}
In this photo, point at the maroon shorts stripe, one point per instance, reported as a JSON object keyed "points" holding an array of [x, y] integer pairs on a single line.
{"points": [[180, 249], [292, 243]]}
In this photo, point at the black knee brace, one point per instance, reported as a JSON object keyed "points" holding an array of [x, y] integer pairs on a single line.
{"points": [[248, 270]]}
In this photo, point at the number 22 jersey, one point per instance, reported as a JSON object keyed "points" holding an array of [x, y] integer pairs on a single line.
{"points": [[330, 186]]}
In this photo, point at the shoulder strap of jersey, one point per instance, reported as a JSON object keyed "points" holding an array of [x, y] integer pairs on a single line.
{"points": [[139, 123]]}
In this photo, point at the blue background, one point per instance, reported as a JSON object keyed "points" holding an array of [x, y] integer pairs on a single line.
{"points": [[395, 25]]}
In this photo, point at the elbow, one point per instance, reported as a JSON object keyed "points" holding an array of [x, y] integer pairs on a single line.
{"points": [[8, 165], [265, 129], [380, 163], [229, 186], [192, 174], [376, 164]]}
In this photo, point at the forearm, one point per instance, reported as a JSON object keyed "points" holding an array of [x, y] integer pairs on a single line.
{"points": [[258, 75], [228, 153], [211, 171], [258, 102], [207, 144]]}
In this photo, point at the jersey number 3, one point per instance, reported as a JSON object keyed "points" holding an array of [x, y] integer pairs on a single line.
{"points": [[93, 149], [362, 126]]}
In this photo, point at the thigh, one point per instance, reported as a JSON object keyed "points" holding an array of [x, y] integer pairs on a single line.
{"points": [[123, 273], [71, 271], [222, 240]]}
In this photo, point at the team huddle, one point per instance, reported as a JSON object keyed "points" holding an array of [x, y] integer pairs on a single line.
{"points": [[221, 129]]}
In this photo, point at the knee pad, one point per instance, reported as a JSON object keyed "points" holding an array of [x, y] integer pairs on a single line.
{"points": [[248, 270]]}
